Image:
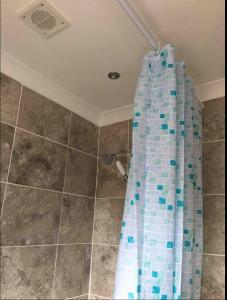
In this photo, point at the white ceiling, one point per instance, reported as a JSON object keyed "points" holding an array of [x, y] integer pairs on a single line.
{"points": [[101, 39]]}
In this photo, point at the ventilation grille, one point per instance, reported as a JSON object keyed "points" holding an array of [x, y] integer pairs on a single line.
{"points": [[44, 18]]}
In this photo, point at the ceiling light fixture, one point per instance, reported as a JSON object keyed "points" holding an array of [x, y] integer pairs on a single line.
{"points": [[114, 75]]}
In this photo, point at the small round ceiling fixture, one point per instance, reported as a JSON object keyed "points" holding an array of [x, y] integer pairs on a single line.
{"points": [[114, 75]]}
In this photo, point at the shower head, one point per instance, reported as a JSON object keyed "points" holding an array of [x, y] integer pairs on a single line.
{"points": [[109, 158]]}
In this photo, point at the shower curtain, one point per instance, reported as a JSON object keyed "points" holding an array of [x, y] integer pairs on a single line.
{"points": [[161, 241]]}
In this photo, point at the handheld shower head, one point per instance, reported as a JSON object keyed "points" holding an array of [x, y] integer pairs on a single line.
{"points": [[121, 169]]}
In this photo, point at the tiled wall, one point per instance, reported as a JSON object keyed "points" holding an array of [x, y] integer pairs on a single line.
{"points": [[109, 207], [214, 199], [48, 176]]}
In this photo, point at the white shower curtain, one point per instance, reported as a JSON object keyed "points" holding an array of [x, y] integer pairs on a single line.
{"points": [[160, 253]]}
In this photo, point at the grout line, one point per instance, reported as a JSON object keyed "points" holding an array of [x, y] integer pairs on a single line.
{"points": [[45, 245], [57, 244], [105, 245], [93, 227], [33, 187], [11, 154], [74, 149], [213, 254], [214, 141], [73, 194], [50, 140], [69, 132], [76, 297], [56, 254], [30, 246], [4, 122], [38, 135], [47, 190], [78, 195], [100, 296], [59, 228]]}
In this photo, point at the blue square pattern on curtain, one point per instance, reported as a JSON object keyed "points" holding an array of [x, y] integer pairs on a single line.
{"points": [[161, 241]]}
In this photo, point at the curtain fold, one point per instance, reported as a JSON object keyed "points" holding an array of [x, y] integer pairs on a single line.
{"points": [[161, 241]]}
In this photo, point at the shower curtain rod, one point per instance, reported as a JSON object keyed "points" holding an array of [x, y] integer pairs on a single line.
{"points": [[130, 11]]}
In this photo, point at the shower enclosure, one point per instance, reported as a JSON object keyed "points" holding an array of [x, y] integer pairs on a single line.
{"points": [[31, 215]]}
